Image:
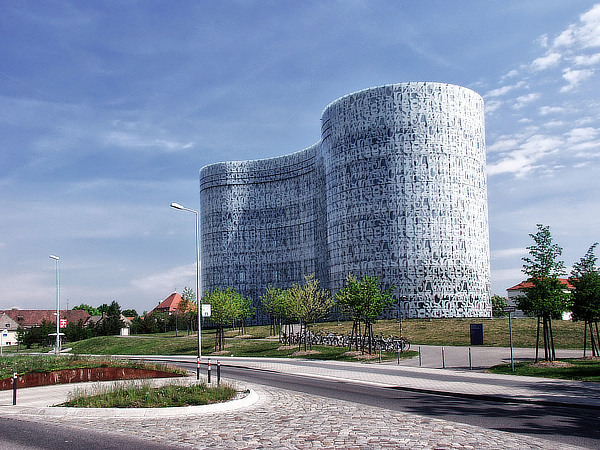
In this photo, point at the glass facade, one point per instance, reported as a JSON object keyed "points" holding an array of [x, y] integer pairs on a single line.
{"points": [[396, 188]]}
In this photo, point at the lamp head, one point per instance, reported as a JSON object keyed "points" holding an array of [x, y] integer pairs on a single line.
{"points": [[176, 206], [54, 257]]}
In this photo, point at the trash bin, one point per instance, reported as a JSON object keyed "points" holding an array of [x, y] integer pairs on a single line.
{"points": [[476, 334]]}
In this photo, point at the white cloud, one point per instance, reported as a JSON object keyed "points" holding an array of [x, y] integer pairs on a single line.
{"points": [[586, 34], [508, 253], [525, 155], [575, 77], [524, 100], [174, 279], [545, 62], [504, 90], [492, 106], [545, 110], [587, 60]]}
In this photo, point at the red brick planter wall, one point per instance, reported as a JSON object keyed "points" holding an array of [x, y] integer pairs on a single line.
{"points": [[81, 375]]}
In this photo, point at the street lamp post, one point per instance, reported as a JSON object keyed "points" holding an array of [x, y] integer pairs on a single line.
{"points": [[56, 258], [183, 208]]}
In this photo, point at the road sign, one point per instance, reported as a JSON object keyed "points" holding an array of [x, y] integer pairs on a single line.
{"points": [[63, 323], [206, 310], [509, 308]]}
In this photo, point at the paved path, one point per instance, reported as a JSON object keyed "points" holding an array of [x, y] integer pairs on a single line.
{"points": [[275, 418]]}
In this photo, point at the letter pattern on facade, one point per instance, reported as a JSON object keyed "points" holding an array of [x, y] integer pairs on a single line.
{"points": [[396, 188]]}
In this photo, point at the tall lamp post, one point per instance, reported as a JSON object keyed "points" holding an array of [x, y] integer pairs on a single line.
{"points": [[183, 208], [56, 258]]}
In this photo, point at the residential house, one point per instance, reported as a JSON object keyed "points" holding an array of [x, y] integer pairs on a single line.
{"points": [[8, 331], [519, 291]]}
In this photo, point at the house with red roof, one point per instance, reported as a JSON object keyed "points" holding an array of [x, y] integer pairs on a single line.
{"points": [[518, 291], [28, 318], [169, 304]]}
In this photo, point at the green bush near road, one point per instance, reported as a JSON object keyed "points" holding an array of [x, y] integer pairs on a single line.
{"points": [[132, 395]]}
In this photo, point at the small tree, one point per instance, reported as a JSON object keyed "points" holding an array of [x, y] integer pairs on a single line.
{"points": [[111, 322], [39, 335], [308, 303], [585, 277], [545, 298], [227, 305], [273, 303], [498, 305], [188, 306], [89, 309], [365, 300]]}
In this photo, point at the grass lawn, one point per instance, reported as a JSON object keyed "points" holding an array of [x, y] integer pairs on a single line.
{"points": [[566, 369], [130, 395], [567, 334]]}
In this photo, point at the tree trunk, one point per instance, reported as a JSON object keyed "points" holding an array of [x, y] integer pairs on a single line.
{"points": [[537, 340], [553, 351]]}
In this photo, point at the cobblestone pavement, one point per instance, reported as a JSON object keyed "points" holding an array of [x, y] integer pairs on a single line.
{"points": [[288, 420]]}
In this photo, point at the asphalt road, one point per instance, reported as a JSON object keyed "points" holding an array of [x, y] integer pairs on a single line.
{"points": [[576, 426], [24, 435]]}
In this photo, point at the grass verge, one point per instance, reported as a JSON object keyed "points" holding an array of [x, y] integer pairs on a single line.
{"points": [[136, 395], [564, 369]]}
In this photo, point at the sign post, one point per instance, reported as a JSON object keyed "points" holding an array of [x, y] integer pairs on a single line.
{"points": [[510, 310], [2, 336]]}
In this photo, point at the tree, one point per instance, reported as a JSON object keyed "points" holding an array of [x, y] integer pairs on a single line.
{"points": [[498, 305], [308, 303], [89, 309], [364, 300], [188, 306], [545, 298], [77, 331], [227, 305], [39, 335], [585, 277], [110, 324], [274, 304], [129, 313]]}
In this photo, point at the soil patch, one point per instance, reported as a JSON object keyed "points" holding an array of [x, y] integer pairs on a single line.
{"points": [[86, 374], [360, 355], [307, 352], [552, 364]]}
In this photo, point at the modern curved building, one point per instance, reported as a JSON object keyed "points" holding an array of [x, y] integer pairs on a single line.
{"points": [[396, 187]]}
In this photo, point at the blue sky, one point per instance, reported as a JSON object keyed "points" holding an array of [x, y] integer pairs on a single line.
{"points": [[109, 109]]}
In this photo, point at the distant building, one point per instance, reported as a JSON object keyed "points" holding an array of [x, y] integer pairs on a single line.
{"points": [[8, 329], [518, 291], [170, 304], [28, 318]]}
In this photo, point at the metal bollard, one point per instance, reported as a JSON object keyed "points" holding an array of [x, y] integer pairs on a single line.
{"points": [[218, 372], [470, 361], [197, 368], [420, 361], [209, 371], [14, 388], [443, 359], [398, 356]]}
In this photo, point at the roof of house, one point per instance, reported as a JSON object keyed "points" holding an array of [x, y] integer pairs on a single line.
{"points": [[6, 323], [34, 317], [171, 303], [528, 284]]}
